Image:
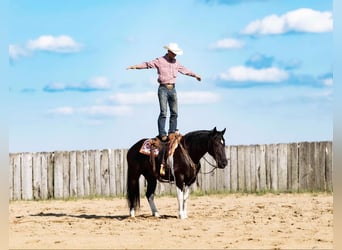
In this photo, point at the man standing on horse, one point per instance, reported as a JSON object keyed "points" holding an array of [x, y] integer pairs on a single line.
{"points": [[167, 69]]}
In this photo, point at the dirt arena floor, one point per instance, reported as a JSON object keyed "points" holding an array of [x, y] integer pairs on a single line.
{"points": [[234, 221]]}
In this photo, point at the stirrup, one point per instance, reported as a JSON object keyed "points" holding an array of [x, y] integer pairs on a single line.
{"points": [[162, 170]]}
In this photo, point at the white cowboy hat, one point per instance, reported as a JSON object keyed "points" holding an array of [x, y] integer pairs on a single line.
{"points": [[174, 48]]}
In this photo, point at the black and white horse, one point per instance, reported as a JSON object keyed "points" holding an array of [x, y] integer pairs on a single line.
{"points": [[186, 165]]}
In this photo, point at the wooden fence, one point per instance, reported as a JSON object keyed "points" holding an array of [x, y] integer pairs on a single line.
{"points": [[293, 167]]}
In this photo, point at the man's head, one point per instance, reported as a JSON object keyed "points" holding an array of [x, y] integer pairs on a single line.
{"points": [[173, 49]]}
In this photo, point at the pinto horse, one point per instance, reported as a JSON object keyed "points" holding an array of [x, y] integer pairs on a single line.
{"points": [[186, 165]]}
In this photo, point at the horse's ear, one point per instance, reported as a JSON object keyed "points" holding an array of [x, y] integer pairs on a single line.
{"points": [[215, 130], [223, 131]]}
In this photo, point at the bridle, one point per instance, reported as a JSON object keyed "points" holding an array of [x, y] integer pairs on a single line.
{"points": [[192, 164], [214, 167]]}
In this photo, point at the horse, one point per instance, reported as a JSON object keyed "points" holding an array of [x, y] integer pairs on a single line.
{"points": [[186, 165]]}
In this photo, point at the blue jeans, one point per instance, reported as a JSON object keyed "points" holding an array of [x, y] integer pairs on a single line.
{"points": [[167, 96]]}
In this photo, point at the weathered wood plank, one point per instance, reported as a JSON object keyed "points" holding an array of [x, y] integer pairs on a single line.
{"points": [[233, 168], [227, 171], [253, 169], [16, 165], [305, 166], [319, 167], [58, 175], [66, 175], [86, 174], [50, 174], [125, 167], [98, 171], [10, 178], [44, 156], [27, 189], [112, 159], [37, 178], [105, 172], [80, 174], [118, 164], [91, 158], [260, 162], [329, 167], [272, 155], [73, 174], [282, 167], [292, 165], [241, 168], [247, 163], [311, 177]]}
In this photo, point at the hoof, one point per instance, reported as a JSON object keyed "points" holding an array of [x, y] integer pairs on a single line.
{"points": [[156, 214], [132, 213], [182, 216]]}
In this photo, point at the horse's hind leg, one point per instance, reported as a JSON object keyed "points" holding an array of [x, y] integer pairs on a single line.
{"points": [[151, 187]]}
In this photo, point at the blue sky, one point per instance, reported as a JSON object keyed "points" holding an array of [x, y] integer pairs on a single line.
{"points": [[266, 70]]}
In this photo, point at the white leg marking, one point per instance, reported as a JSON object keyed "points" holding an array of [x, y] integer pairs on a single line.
{"points": [[132, 212], [185, 201], [153, 206], [180, 198]]}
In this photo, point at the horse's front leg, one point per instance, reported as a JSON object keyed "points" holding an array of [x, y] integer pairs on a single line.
{"points": [[182, 197]]}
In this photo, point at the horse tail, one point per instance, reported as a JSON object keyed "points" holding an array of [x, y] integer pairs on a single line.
{"points": [[133, 190]]}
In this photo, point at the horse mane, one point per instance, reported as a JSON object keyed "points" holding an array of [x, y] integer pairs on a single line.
{"points": [[194, 141], [196, 135]]}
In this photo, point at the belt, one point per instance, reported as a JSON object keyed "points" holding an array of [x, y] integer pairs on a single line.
{"points": [[168, 85]]}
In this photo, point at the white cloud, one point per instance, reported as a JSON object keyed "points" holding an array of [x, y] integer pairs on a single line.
{"points": [[56, 44], [62, 111], [300, 20], [94, 84], [16, 51], [105, 110], [61, 44], [98, 82], [195, 97], [134, 98], [198, 97], [95, 110], [328, 81], [227, 43], [248, 74]]}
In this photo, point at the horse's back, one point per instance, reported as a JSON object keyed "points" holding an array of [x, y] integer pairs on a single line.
{"points": [[133, 151]]}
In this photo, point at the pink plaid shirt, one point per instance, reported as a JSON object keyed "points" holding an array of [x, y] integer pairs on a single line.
{"points": [[167, 69]]}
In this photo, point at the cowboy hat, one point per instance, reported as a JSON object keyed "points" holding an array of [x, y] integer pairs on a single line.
{"points": [[174, 48]]}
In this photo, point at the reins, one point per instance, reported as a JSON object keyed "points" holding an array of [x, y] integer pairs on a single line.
{"points": [[212, 165], [192, 164], [187, 156]]}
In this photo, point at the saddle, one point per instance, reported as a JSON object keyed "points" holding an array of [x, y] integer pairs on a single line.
{"points": [[162, 153]]}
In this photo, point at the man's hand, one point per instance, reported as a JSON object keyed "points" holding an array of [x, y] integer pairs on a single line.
{"points": [[131, 67], [198, 77]]}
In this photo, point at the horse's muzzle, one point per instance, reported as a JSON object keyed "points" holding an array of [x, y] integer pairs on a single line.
{"points": [[222, 164]]}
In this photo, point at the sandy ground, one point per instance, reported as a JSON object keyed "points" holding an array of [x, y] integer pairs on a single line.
{"points": [[235, 221]]}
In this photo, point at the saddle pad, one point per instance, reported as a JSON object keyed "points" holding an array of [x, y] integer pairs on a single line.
{"points": [[146, 148]]}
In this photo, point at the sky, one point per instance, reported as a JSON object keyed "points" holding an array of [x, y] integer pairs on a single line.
{"points": [[266, 68]]}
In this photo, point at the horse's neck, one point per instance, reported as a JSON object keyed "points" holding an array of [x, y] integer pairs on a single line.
{"points": [[197, 150]]}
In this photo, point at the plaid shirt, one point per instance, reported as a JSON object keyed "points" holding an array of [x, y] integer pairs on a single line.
{"points": [[167, 69]]}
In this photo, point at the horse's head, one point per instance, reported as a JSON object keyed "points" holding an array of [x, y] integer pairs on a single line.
{"points": [[217, 147]]}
